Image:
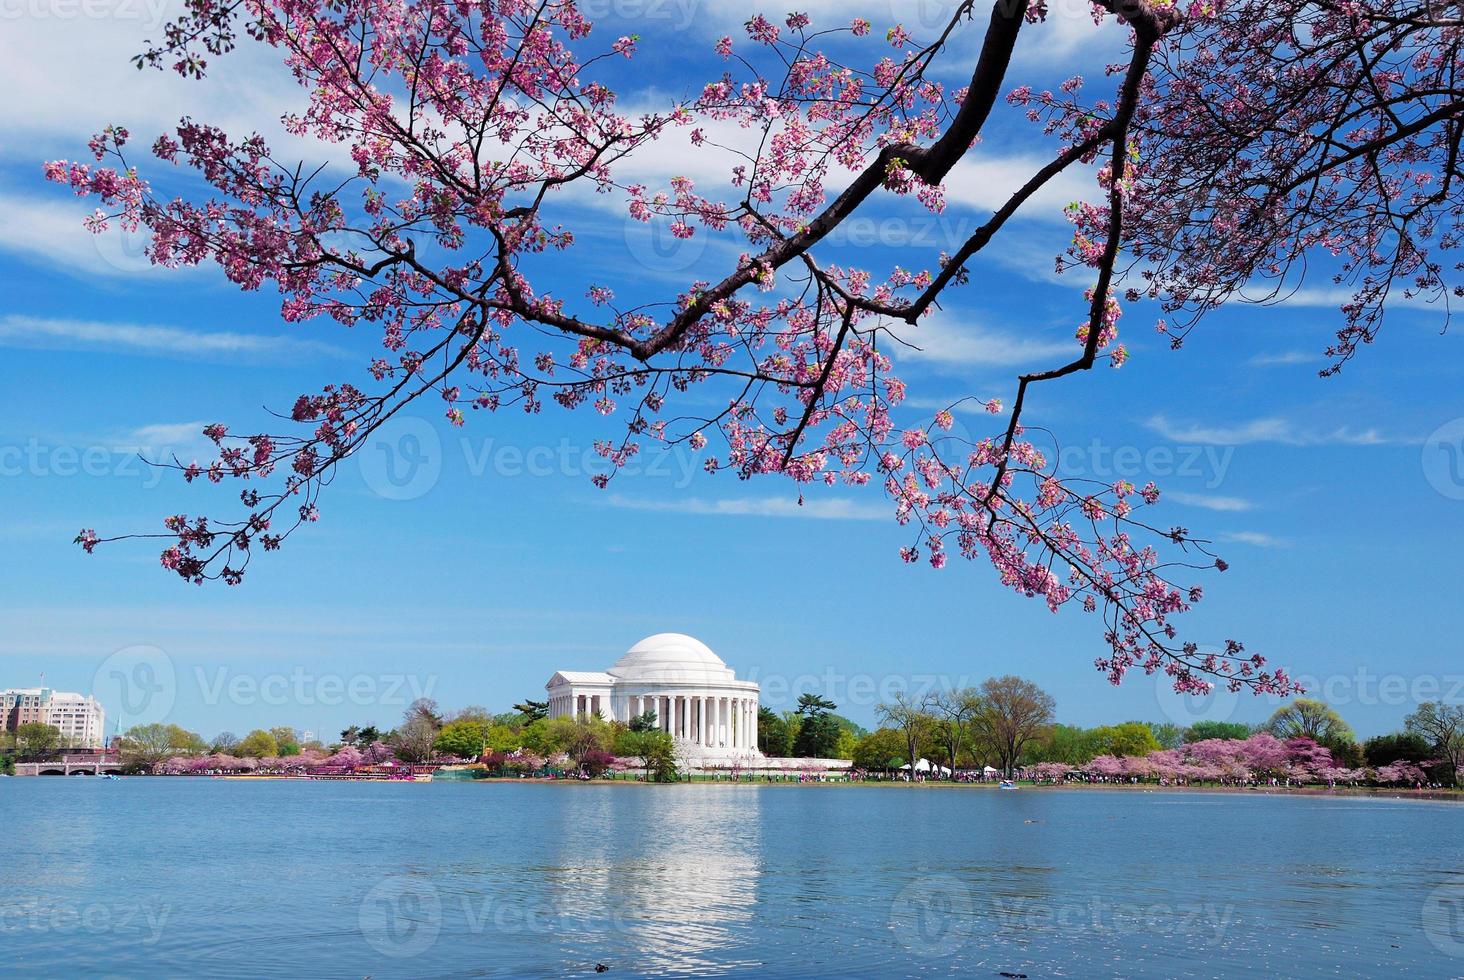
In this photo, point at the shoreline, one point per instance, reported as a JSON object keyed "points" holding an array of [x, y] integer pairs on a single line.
{"points": [[1376, 792]]}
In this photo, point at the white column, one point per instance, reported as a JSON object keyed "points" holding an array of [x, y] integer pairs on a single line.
{"points": [[722, 722], [741, 723], [734, 730], [701, 721]]}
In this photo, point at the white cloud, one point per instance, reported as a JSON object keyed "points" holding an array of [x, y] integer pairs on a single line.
{"points": [[943, 340], [987, 181], [832, 508], [1257, 538], [1264, 430], [1208, 501], [1283, 358], [166, 433], [52, 111], [30, 331], [50, 230]]}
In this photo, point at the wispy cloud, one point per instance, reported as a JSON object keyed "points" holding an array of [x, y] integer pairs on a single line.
{"points": [[1209, 501], [31, 331], [830, 509], [1275, 430], [1257, 538], [1283, 358], [947, 341]]}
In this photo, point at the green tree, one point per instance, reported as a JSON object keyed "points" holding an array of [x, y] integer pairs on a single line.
{"points": [[258, 744], [1202, 731], [1064, 743], [644, 722], [224, 743], [883, 748], [660, 757], [575, 736], [772, 734], [144, 746], [1132, 738], [653, 749], [1442, 725], [1309, 718], [532, 711], [463, 738], [36, 738], [1014, 712], [1167, 734], [954, 711], [911, 717], [504, 738], [818, 728], [1384, 750]]}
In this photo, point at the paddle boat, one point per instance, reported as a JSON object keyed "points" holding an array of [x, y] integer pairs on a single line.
{"points": [[1007, 784]]}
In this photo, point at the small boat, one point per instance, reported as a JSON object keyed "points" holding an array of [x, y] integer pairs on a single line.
{"points": [[109, 775], [1007, 784]]}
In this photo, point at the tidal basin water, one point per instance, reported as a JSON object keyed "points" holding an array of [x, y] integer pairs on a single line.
{"points": [[200, 877]]}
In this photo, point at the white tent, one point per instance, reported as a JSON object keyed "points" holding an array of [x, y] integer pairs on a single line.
{"points": [[924, 766], [990, 771]]}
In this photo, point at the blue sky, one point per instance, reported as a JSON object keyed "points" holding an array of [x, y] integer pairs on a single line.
{"points": [[1330, 498]]}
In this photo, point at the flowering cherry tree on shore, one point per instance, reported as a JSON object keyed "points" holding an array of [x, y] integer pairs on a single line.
{"points": [[1235, 142]]}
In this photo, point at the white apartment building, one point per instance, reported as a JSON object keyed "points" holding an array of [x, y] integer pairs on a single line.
{"points": [[79, 717]]}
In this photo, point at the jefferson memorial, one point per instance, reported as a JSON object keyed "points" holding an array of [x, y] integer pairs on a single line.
{"points": [[693, 694]]}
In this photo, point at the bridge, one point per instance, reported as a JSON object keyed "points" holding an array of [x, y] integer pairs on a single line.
{"points": [[89, 764]]}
